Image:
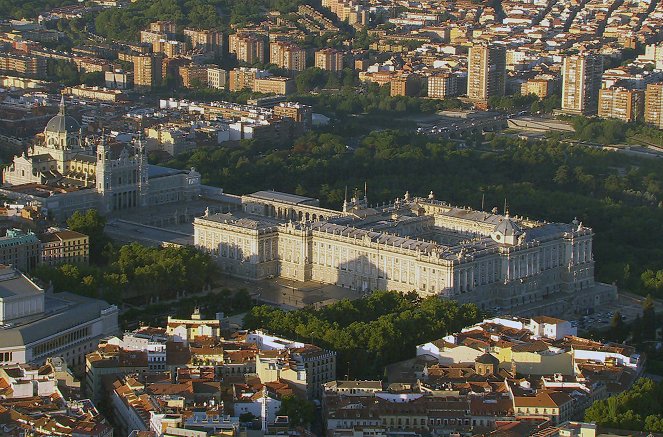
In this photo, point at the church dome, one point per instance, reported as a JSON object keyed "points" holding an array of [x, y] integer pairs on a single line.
{"points": [[62, 123]]}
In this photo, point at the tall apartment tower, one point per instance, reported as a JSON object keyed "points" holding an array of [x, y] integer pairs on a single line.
{"points": [[486, 72], [147, 70], [654, 104], [329, 59], [621, 103], [287, 56], [247, 48], [442, 85], [581, 82]]}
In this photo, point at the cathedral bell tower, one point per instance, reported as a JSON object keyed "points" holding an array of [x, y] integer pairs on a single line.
{"points": [[143, 176], [104, 174]]}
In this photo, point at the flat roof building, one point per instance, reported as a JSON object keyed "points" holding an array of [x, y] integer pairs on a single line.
{"points": [[35, 325]]}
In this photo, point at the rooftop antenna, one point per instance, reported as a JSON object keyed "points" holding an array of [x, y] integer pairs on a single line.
{"points": [[483, 198], [366, 190]]}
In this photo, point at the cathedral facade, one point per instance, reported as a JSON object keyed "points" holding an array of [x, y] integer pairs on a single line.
{"points": [[63, 172]]}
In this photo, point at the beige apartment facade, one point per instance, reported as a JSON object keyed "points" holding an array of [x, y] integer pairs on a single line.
{"points": [[329, 59], [621, 103], [287, 56], [654, 104], [247, 48], [486, 72], [581, 82], [442, 85]]}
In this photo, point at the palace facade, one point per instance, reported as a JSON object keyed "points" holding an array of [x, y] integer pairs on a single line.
{"points": [[413, 244]]}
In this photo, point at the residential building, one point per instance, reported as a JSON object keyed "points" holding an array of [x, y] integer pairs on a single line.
{"points": [[329, 59], [486, 72], [581, 82], [185, 330], [247, 48], [22, 65], [147, 71], [442, 85], [287, 55], [110, 360], [551, 405], [541, 86], [95, 93], [19, 249], [621, 103], [302, 114], [206, 40], [274, 85], [45, 401], [306, 367], [64, 247], [654, 104], [167, 27], [118, 79], [36, 325], [216, 77], [193, 75], [407, 84], [243, 78]]}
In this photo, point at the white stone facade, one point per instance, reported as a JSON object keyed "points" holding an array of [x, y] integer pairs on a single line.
{"points": [[415, 244]]}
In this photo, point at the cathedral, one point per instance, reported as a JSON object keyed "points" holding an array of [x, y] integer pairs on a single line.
{"points": [[63, 172]]}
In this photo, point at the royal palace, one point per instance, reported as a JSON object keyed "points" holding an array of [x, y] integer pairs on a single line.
{"points": [[412, 244]]}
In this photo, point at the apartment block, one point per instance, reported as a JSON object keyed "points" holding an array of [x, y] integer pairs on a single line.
{"points": [[654, 104], [248, 48], [147, 71], [192, 75], [118, 79], [541, 86], [242, 78], [486, 72], [23, 65], [621, 103], [64, 247], [216, 77], [274, 85], [405, 85], [167, 27], [298, 112], [581, 82], [287, 55], [442, 85], [19, 249], [329, 59], [205, 39]]}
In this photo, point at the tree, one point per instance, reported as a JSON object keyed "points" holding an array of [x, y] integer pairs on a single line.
{"points": [[92, 224], [300, 412], [637, 409], [649, 323], [617, 327]]}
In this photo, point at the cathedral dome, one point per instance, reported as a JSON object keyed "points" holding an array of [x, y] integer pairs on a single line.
{"points": [[62, 123]]}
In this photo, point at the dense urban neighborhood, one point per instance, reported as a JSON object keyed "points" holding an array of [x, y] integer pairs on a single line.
{"points": [[343, 218]]}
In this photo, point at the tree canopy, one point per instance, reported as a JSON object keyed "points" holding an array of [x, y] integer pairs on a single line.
{"points": [[135, 272], [619, 196], [377, 330], [637, 409]]}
